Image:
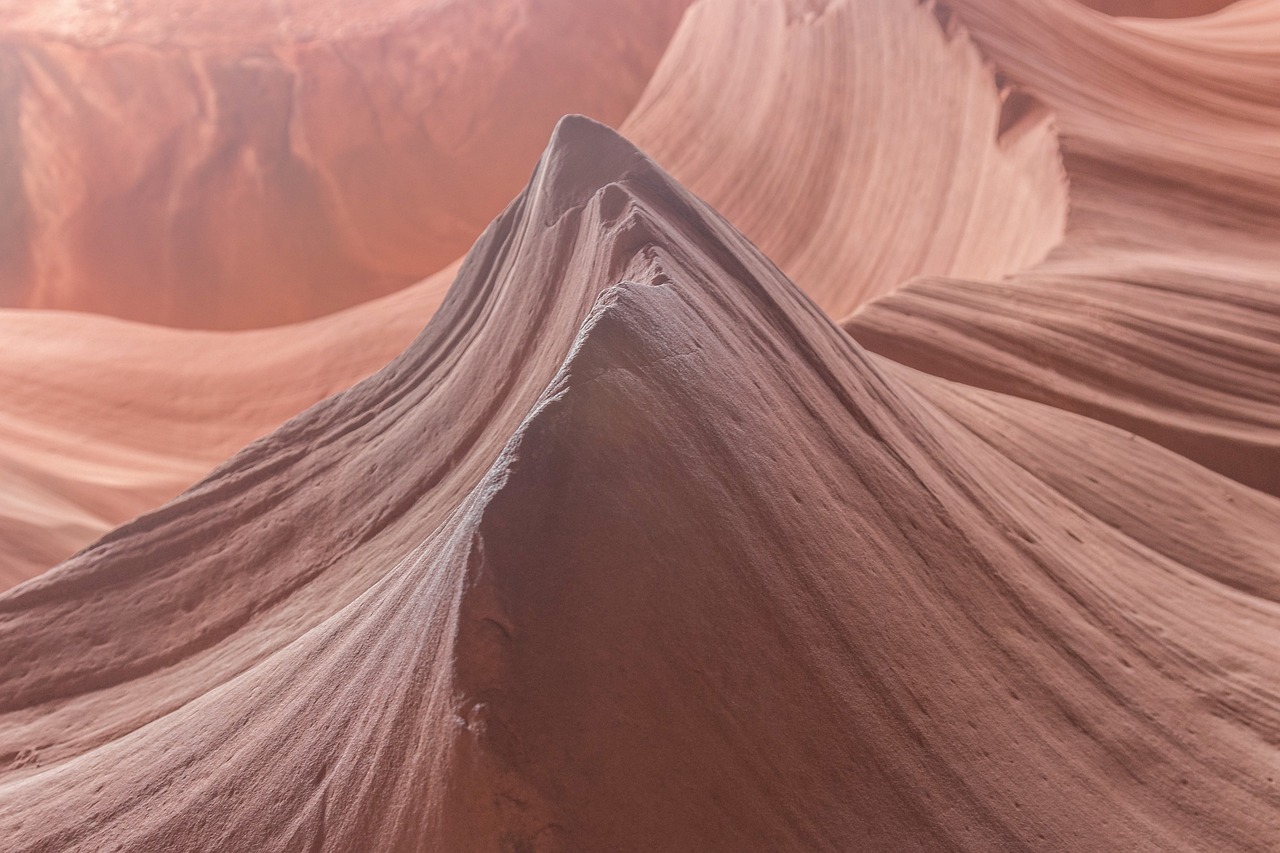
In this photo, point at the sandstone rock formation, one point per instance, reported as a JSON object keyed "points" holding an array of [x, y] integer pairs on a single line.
{"points": [[980, 194], [245, 164], [699, 572], [1160, 312], [891, 463], [103, 419], [800, 122]]}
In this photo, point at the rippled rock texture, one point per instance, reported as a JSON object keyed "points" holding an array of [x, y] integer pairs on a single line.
{"points": [[245, 164], [872, 446]]}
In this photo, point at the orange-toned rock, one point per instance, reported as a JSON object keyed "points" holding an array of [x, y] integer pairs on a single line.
{"points": [[634, 549], [1160, 311], [857, 142], [237, 165], [103, 419], [981, 194]]}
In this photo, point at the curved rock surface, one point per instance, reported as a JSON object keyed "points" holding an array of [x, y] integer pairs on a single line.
{"points": [[1160, 312], [634, 547], [247, 164], [90, 440], [699, 572], [1157, 8], [822, 105], [982, 194]]}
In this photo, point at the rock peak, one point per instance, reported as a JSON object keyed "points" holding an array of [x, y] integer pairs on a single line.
{"points": [[583, 157]]}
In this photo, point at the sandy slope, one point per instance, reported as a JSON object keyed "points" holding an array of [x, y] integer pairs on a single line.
{"points": [[698, 572]]}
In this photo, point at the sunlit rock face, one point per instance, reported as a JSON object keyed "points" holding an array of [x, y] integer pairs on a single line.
{"points": [[246, 164]]}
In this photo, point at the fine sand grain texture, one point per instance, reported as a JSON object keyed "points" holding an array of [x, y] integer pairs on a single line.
{"points": [[695, 572]]}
